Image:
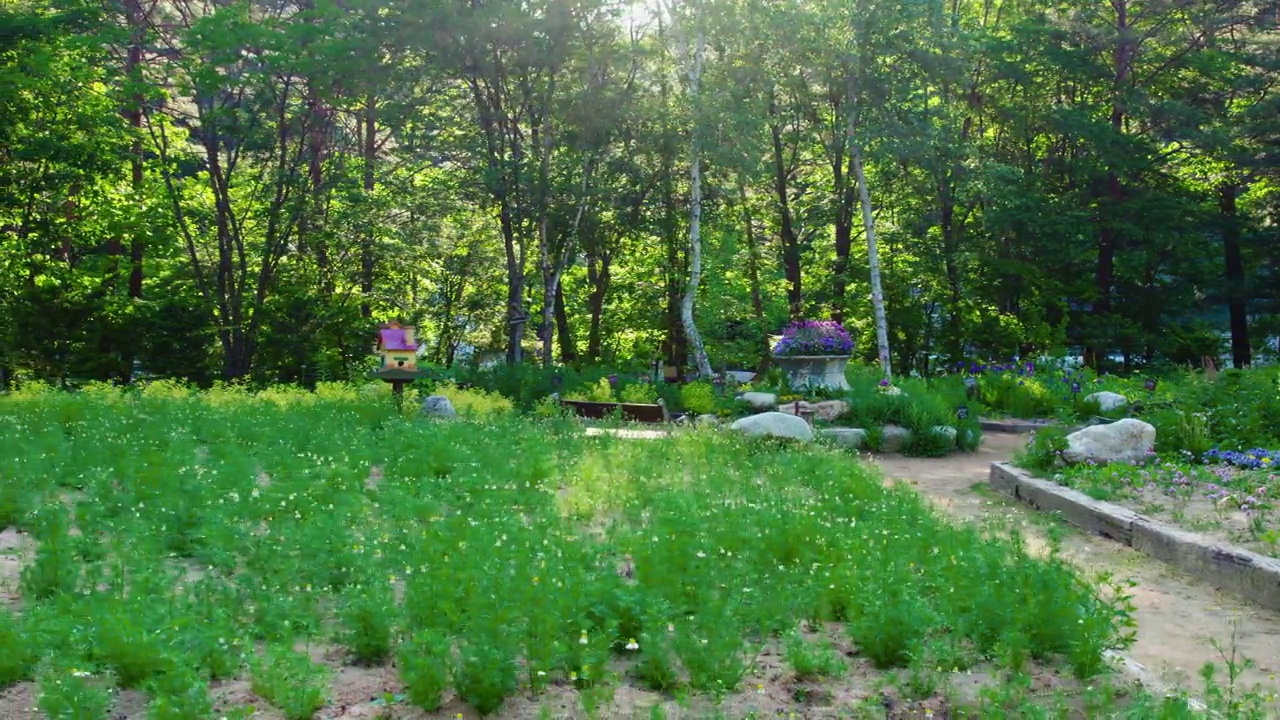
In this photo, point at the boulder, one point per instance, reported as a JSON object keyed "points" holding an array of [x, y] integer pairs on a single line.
{"points": [[1108, 401], [948, 432], [893, 437], [708, 419], [438, 406], [775, 424], [759, 400], [845, 437], [827, 410], [1127, 440]]}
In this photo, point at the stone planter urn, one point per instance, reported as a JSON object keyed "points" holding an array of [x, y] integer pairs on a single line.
{"points": [[814, 371]]}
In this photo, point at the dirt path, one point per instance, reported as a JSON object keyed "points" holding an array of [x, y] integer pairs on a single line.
{"points": [[1178, 618]]}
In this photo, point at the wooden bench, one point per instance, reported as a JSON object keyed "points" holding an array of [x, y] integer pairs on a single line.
{"points": [[634, 412]]}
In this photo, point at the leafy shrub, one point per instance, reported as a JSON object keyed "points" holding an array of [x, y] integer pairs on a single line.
{"points": [[67, 693], [1044, 450], [290, 681], [1018, 396], [180, 695], [600, 391], [124, 643], [813, 660], [55, 569], [485, 675], [474, 403], [640, 393], [423, 661], [1181, 431], [366, 622], [698, 397], [17, 651]]}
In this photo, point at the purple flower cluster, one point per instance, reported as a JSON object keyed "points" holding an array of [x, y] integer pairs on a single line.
{"points": [[992, 366], [1255, 459], [814, 337]]}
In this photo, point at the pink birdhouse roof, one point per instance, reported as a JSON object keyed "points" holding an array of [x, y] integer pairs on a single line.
{"points": [[392, 338]]}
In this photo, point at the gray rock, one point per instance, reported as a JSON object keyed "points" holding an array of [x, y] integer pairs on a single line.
{"points": [[1127, 440], [845, 437], [1108, 401], [775, 424], [947, 431], [438, 406], [708, 419], [893, 438], [759, 400], [827, 410]]}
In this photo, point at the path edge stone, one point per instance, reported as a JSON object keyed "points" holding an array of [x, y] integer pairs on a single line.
{"points": [[1245, 573]]}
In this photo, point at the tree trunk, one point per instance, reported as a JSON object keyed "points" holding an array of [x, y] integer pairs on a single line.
{"points": [[695, 216], [787, 233], [133, 115], [598, 276], [516, 317], [843, 192], [564, 332], [368, 260], [1237, 291], [1108, 238], [950, 249], [873, 260], [753, 274]]}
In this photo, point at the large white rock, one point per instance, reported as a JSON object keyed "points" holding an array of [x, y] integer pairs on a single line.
{"points": [[775, 424], [893, 438], [846, 437], [759, 400], [947, 432], [827, 410], [438, 406], [1127, 440], [1108, 401]]}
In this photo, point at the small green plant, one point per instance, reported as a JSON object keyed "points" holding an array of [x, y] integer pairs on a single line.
{"points": [[813, 660], [485, 675], [366, 622], [124, 643], [423, 661], [180, 695], [639, 393], [17, 651], [68, 693], [698, 397], [291, 681], [55, 569], [1044, 450]]}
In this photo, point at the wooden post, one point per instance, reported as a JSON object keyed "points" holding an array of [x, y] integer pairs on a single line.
{"points": [[397, 394]]}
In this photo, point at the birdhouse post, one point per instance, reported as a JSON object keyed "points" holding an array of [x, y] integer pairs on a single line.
{"points": [[398, 349]]}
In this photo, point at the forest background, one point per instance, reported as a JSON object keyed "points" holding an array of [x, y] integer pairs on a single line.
{"points": [[244, 189]]}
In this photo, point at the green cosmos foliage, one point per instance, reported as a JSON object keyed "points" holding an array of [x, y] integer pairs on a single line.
{"points": [[484, 556]]}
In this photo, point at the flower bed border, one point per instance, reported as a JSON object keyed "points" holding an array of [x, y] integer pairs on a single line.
{"points": [[1250, 575], [1015, 426]]}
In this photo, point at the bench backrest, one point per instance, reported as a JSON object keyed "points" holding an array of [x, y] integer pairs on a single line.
{"points": [[629, 411]]}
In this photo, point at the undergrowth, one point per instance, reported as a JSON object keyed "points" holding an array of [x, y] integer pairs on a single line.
{"points": [[177, 531]]}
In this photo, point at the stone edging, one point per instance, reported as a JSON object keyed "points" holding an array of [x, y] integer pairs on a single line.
{"points": [[1250, 575], [1019, 427]]}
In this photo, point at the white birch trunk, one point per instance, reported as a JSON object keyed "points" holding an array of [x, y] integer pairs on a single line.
{"points": [[873, 260], [693, 68]]}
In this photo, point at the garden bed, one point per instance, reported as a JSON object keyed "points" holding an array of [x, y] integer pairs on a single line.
{"points": [[313, 554], [1251, 575], [1230, 504]]}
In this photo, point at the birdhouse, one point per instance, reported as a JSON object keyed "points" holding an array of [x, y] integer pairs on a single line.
{"points": [[398, 347]]}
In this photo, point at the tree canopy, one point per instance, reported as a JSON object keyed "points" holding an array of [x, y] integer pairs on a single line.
{"points": [[228, 189]]}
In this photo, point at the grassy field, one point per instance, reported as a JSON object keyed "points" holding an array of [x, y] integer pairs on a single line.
{"points": [[204, 553]]}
